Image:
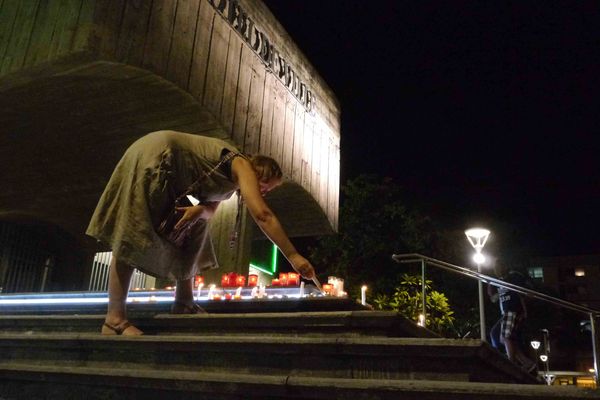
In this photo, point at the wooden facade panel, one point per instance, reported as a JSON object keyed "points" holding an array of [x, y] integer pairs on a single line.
{"points": [[242, 97], [232, 71], [8, 15], [82, 39], [66, 28], [255, 106], [288, 134], [298, 144], [20, 37], [108, 17], [266, 126], [315, 180], [206, 16], [278, 123], [132, 33], [334, 185], [324, 171], [217, 61], [309, 127], [182, 44], [159, 36], [47, 17]]}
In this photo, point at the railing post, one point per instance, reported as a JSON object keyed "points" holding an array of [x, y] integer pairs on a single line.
{"points": [[481, 307], [595, 346], [423, 292]]}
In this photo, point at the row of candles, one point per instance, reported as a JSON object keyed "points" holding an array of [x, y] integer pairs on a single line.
{"points": [[258, 292], [333, 287], [231, 279]]}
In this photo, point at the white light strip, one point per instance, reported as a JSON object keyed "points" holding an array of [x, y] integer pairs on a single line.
{"points": [[104, 300]]}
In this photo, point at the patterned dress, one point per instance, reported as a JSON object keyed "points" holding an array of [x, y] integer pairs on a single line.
{"points": [[152, 172]]}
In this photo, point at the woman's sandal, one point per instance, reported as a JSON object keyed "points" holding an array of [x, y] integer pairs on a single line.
{"points": [[179, 307], [120, 329]]}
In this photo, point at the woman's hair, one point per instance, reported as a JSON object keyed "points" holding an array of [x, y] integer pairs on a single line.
{"points": [[266, 167]]}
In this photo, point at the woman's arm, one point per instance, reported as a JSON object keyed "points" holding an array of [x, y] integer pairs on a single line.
{"points": [[245, 176]]}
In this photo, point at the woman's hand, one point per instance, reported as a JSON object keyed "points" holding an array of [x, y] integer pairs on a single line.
{"points": [[302, 266], [190, 215]]}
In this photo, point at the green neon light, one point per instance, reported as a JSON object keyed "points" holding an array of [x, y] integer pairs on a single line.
{"points": [[274, 260], [261, 269], [273, 263]]}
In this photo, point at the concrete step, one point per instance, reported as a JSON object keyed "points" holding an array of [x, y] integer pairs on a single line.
{"points": [[338, 323], [363, 357], [27, 381]]}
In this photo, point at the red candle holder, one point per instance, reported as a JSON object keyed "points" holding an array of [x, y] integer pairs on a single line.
{"points": [[225, 280], [229, 279], [283, 279], [293, 279], [252, 280], [228, 296], [275, 282], [240, 280], [198, 280]]}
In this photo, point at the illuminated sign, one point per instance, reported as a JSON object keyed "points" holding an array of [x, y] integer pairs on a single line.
{"points": [[258, 41]]}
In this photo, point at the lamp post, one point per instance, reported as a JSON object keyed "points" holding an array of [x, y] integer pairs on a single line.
{"points": [[477, 237], [546, 356]]}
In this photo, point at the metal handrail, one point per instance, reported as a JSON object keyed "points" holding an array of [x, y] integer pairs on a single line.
{"points": [[592, 313]]}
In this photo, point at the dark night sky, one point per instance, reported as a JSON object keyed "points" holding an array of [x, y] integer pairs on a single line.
{"points": [[483, 111]]}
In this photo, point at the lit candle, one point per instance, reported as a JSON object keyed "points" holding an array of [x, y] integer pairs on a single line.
{"points": [[199, 290], [237, 297], [227, 296], [216, 297], [211, 292], [224, 280], [339, 287], [275, 282], [283, 279], [332, 280], [301, 289], [363, 295], [240, 280], [199, 280], [262, 290], [327, 288], [293, 279], [254, 292], [252, 280], [238, 292]]}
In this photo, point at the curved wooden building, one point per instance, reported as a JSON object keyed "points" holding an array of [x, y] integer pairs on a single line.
{"points": [[80, 80]]}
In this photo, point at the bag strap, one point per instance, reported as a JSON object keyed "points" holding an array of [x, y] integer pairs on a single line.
{"points": [[190, 188]]}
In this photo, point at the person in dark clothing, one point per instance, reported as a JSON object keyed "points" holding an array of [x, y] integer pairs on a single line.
{"points": [[507, 330]]}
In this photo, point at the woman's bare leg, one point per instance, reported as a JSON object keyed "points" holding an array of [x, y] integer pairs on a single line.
{"points": [[119, 278], [184, 292], [184, 298]]}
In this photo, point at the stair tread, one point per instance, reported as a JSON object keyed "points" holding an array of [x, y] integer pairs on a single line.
{"points": [[280, 339], [298, 384]]}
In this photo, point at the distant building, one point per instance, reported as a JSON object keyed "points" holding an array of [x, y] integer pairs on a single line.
{"points": [[574, 278]]}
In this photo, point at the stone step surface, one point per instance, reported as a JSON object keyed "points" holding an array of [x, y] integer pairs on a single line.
{"points": [[335, 357], [338, 323], [28, 381]]}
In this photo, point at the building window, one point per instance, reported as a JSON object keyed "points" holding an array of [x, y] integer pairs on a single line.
{"points": [[536, 272], [580, 271]]}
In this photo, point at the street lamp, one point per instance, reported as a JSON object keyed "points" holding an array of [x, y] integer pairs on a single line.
{"points": [[477, 237]]}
